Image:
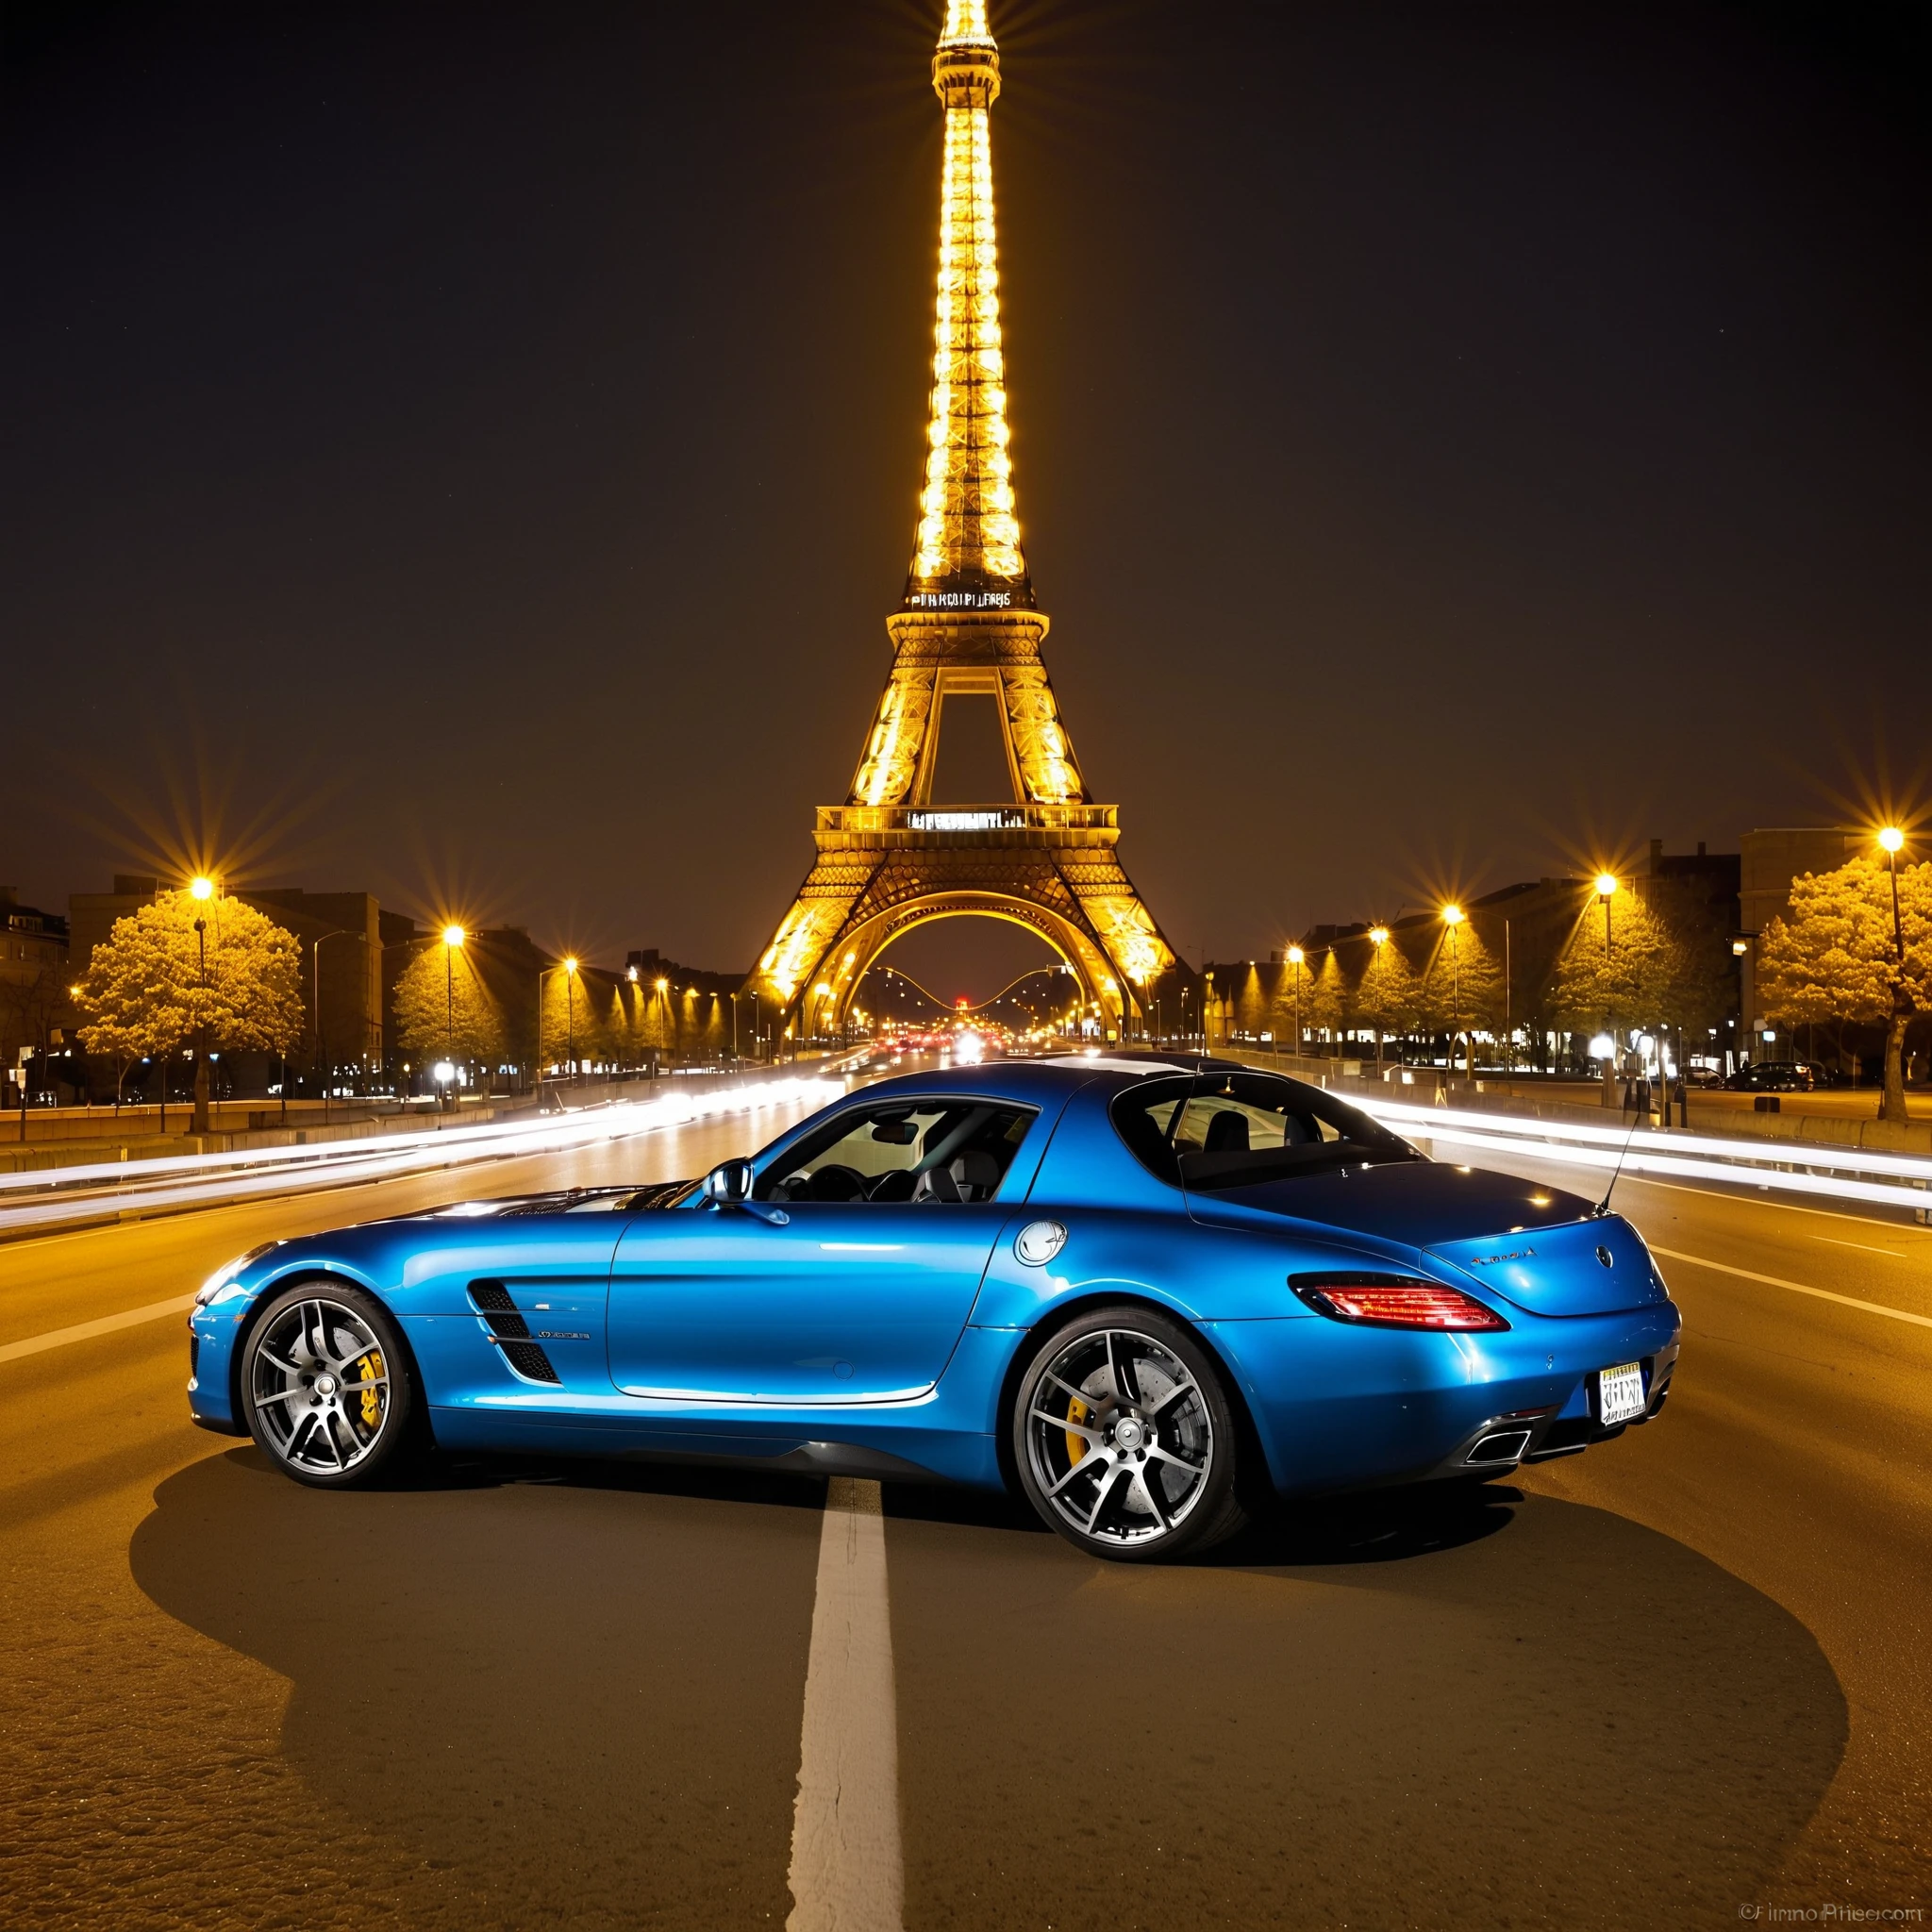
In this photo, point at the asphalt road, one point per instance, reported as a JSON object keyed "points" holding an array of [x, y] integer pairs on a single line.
{"points": [[1676, 1679]]}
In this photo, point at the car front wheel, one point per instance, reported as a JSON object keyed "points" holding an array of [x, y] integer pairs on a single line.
{"points": [[1125, 1438], [325, 1384]]}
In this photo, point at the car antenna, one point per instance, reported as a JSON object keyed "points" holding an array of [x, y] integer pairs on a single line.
{"points": [[1603, 1207]]}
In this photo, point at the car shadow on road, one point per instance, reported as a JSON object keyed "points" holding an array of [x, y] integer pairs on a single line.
{"points": [[571, 1693]]}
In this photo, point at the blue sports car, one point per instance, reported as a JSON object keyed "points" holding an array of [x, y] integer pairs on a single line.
{"points": [[1143, 1294]]}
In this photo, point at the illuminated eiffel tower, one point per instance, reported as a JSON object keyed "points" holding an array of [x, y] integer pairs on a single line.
{"points": [[889, 858]]}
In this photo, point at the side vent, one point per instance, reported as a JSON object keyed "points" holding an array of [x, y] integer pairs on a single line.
{"points": [[511, 1333], [528, 1360]]}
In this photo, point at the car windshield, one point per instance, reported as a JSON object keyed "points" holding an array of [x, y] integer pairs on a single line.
{"points": [[905, 1150], [1236, 1131]]}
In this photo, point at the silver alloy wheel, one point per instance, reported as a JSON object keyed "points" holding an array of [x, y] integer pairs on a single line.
{"points": [[320, 1387], [1120, 1437]]}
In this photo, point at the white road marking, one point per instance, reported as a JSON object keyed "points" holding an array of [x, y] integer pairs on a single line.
{"points": [[86, 1331], [1865, 1246], [847, 1874], [1823, 1295]]}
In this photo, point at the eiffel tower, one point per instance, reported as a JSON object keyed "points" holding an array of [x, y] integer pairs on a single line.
{"points": [[889, 859]]}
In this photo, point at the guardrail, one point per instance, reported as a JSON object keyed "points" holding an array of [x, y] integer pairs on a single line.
{"points": [[1801, 1167]]}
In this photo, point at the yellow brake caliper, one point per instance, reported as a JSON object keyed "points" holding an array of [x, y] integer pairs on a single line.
{"points": [[1077, 1411], [368, 1368]]}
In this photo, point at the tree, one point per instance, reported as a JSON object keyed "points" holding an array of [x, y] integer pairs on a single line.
{"points": [[444, 1010], [1386, 997], [155, 983], [1836, 955], [1630, 976], [1461, 990]]}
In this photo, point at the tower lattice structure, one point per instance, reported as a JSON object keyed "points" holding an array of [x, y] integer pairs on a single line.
{"points": [[889, 858]]}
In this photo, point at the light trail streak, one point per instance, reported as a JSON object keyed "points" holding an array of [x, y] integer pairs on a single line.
{"points": [[31, 1202], [1791, 1166]]}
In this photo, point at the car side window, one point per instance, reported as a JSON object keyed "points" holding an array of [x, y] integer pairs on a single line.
{"points": [[1232, 1129], [936, 1151]]}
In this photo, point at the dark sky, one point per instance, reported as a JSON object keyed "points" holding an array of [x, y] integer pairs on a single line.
{"points": [[468, 452]]}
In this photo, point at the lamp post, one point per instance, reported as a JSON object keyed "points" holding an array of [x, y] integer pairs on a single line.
{"points": [[1295, 957], [1606, 890], [1378, 938], [453, 937], [315, 1004], [1892, 839], [568, 967], [1452, 918], [201, 889]]}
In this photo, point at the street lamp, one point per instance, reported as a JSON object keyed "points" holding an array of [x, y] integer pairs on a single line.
{"points": [[1606, 890], [453, 938], [1378, 938], [1892, 839], [1295, 957], [1452, 918], [340, 932], [568, 967], [201, 889]]}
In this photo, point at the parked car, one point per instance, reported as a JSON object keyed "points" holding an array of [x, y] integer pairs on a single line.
{"points": [[1771, 1076], [1141, 1292], [1703, 1076]]}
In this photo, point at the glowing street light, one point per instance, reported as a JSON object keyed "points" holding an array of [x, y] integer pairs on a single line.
{"points": [[201, 887], [1606, 883], [1892, 840], [1453, 917], [453, 938], [1295, 957]]}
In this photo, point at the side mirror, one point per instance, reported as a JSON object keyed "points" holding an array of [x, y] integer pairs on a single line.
{"points": [[728, 1184]]}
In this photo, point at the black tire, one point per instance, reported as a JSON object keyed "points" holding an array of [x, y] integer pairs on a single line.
{"points": [[1133, 1387], [327, 1385]]}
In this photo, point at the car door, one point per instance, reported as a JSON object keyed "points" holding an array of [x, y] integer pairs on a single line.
{"points": [[839, 1303], [797, 1299]]}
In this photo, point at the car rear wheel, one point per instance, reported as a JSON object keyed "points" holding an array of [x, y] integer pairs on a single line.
{"points": [[1125, 1438], [327, 1385]]}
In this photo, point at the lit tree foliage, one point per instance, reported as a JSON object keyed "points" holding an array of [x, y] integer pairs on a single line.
{"points": [[573, 1022], [1461, 988], [146, 992], [1835, 956], [1388, 998], [1635, 979], [446, 1009]]}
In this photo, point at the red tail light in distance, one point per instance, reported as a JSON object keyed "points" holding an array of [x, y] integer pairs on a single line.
{"points": [[1392, 1301]]}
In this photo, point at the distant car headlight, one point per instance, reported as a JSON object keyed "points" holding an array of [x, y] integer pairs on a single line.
{"points": [[227, 1272]]}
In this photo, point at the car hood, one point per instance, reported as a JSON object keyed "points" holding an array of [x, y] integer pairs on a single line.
{"points": [[1417, 1204]]}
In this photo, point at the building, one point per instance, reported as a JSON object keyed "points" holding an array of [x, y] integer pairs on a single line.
{"points": [[1771, 857], [36, 1011], [340, 935]]}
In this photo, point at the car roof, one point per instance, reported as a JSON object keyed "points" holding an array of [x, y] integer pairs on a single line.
{"points": [[1035, 1082]]}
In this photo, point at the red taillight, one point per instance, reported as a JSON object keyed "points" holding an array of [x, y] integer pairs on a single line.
{"points": [[1394, 1301]]}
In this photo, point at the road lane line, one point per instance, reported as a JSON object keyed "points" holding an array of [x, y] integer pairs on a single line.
{"points": [[1865, 1246], [847, 1873], [1823, 1295], [86, 1331]]}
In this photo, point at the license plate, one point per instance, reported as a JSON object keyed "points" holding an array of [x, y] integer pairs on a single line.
{"points": [[1619, 1393]]}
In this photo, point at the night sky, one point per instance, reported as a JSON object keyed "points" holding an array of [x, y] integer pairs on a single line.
{"points": [[468, 452]]}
